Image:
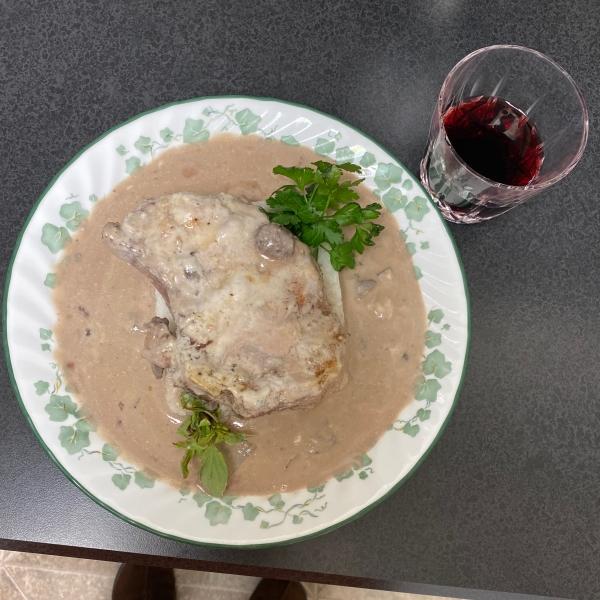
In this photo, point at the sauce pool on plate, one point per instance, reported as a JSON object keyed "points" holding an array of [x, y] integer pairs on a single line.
{"points": [[103, 303]]}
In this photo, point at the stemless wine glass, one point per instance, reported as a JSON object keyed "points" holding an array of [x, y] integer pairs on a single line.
{"points": [[512, 95]]}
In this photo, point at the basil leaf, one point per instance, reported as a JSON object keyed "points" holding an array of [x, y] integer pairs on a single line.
{"points": [[183, 428], [213, 473], [185, 462], [234, 438], [202, 431]]}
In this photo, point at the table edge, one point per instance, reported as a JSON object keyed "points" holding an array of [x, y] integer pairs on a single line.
{"points": [[262, 571]]}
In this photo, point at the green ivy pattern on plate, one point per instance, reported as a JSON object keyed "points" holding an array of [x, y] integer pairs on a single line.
{"points": [[393, 186], [218, 511], [56, 237], [436, 367], [361, 467]]}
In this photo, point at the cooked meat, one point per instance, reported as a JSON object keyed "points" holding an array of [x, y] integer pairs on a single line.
{"points": [[158, 346], [254, 327]]}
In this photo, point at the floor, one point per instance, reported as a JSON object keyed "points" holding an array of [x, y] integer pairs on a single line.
{"points": [[40, 577]]}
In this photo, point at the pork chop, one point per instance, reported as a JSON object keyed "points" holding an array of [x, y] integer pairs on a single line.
{"points": [[254, 328]]}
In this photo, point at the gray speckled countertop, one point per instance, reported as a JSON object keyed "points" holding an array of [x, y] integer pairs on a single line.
{"points": [[509, 498]]}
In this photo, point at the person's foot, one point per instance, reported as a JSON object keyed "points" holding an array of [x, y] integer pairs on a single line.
{"points": [[275, 589], [135, 582]]}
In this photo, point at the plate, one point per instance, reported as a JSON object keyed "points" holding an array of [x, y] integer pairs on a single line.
{"points": [[93, 465]]}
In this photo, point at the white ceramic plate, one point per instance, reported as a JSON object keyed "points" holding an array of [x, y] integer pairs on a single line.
{"points": [[96, 468]]}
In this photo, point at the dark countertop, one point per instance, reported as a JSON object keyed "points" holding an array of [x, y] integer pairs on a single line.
{"points": [[509, 498]]}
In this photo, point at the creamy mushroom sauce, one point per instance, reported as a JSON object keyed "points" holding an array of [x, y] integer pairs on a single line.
{"points": [[102, 304]]}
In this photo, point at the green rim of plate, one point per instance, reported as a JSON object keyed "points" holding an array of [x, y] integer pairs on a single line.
{"points": [[174, 537]]}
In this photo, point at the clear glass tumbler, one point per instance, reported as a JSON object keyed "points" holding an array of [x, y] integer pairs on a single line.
{"points": [[512, 114]]}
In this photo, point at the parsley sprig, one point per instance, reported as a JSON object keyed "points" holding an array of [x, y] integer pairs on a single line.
{"points": [[203, 431], [316, 207]]}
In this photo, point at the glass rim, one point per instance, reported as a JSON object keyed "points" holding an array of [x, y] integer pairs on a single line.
{"points": [[584, 110]]}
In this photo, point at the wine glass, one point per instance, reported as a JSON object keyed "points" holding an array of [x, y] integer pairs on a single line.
{"points": [[509, 123]]}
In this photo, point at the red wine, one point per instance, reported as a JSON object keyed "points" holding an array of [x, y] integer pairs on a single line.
{"points": [[495, 139]]}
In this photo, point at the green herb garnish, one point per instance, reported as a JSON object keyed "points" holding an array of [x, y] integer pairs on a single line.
{"points": [[318, 205], [203, 432]]}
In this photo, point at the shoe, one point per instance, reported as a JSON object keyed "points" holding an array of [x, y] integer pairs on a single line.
{"points": [[136, 582], [275, 589]]}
